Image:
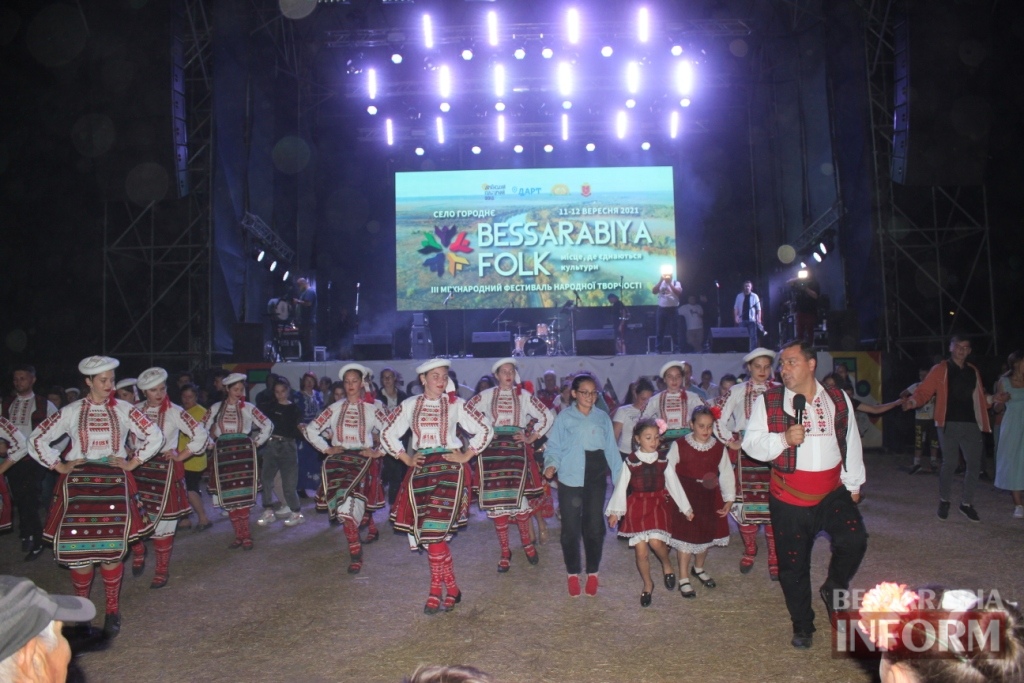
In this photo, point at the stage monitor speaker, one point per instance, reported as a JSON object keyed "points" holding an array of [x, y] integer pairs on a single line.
{"points": [[247, 342], [492, 344], [420, 343], [729, 340], [374, 347], [595, 342]]}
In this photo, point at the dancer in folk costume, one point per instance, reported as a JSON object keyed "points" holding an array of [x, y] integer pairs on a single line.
{"points": [[675, 403], [752, 477], [373, 485], [641, 499], [96, 513], [509, 476], [13, 447], [705, 472], [350, 455], [161, 480], [434, 498], [233, 473], [127, 390]]}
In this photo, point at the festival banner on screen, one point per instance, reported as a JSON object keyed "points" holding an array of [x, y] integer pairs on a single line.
{"points": [[532, 238]]}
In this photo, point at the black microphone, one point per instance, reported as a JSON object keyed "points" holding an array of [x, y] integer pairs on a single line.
{"points": [[576, 294], [448, 298], [799, 403]]}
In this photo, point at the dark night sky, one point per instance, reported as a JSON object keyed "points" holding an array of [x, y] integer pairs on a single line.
{"points": [[53, 72]]}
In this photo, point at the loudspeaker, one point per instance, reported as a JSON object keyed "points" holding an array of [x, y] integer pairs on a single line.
{"points": [[943, 111], [595, 342], [492, 344], [373, 347], [247, 342], [421, 343], [729, 340]]}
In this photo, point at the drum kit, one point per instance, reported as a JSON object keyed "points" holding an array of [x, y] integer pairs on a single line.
{"points": [[541, 339]]}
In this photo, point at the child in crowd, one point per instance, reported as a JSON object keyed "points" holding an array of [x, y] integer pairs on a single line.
{"points": [[702, 465], [640, 500]]}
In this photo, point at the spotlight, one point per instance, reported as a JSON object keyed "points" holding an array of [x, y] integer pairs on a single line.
{"points": [[676, 50], [684, 77], [260, 255], [673, 125], [547, 53], [817, 257], [499, 80], [371, 110], [389, 128], [685, 102], [591, 147], [520, 53], [572, 20], [284, 278], [273, 266], [643, 25], [467, 54], [630, 103], [518, 149], [802, 273], [645, 146], [549, 148], [396, 58], [444, 81], [492, 28], [565, 126], [803, 264], [822, 248], [440, 130], [419, 151], [632, 77], [428, 32], [567, 105], [501, 128], [445, 107], [475, 149], [371, 83], [565, 78], [606, 51], [499, 106], [620, 125]]}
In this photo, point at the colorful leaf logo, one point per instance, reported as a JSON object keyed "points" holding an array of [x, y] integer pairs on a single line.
{"points": [[442, 248]]}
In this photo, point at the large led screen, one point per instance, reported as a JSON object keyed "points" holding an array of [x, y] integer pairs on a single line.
{"points": [[532, 238]]}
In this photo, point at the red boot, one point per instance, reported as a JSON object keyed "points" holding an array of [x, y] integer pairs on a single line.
{"points": [[773, 559], [163, 546], [748, 532]]}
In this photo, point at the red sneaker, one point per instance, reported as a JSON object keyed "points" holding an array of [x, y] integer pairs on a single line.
{"points": [[574, 586], [591, 588]]}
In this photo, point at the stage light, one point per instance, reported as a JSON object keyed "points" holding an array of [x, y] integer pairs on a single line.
{"points": [[371, 110], [565, 78], [684, 77], [371, 83], [572, 21], [685, 102], [428, 32], [467, 54], [549, 148], [645, 146], [822, 248], [260, 255], [643, 25], [803, 264], [567, 105], [419, 151], [676, 50], [475, 149], [499, 106], [565, 126], [632, 77], [390, 129], [396, 58], [673, 125], [630, 103], [445, 107], [273, 266], [444, 81], [440, 130], [492, 28], [284, 278], [606, 51], [547, 53], [499, 80], [501, 128], [802, 273], [591, 147], [817, 257], [520, 53], [620, 125], [518, 149]]}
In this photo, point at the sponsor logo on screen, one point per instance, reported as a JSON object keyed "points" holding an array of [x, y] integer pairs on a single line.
{"points": [[443, 248]]}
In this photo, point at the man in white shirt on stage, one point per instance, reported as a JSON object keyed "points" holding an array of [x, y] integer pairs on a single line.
{"points": [[747, 312]]}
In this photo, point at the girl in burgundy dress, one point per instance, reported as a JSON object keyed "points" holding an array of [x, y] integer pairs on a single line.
{"points": [[641, 501], [704, 470]]}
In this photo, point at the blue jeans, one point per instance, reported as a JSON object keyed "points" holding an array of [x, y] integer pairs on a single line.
{"points": [[953, 438], [751, 333], [280, 455]]}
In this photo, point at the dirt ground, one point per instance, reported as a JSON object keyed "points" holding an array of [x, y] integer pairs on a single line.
{"points": [[289, 611]]}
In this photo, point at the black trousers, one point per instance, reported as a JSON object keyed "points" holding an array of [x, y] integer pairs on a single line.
{"points": [[664, 326], [392, 473], [582, 510], [795, 530], [25, 480]]}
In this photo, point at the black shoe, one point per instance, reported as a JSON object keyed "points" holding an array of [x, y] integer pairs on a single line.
{"points": [[34, 553], [686, 590], [645, 599], [302, 494], [943, 509], [112, 625], [703, 577], [670, 581], [802, 641], [914, 469], [969, 512], [827, 596]]}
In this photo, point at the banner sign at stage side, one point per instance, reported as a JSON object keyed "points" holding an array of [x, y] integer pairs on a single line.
{"points": [[532, 238]]}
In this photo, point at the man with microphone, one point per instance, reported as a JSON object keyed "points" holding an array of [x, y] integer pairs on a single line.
{"points": [[668, 291], [809, 436]]}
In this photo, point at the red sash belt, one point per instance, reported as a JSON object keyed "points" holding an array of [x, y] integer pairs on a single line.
{"points": [[804, 488]]}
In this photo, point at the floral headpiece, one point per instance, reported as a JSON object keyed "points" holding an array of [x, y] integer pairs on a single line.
{"points": [[662, 425], [716, 412]]}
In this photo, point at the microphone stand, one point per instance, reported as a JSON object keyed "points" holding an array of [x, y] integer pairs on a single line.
{"points": [[357, 308], [447, 299], [718, 302], [572, 320]]}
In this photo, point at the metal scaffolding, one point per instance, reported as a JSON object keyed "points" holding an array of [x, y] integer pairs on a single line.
{"points": [[934, 242], [156, 277]]}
